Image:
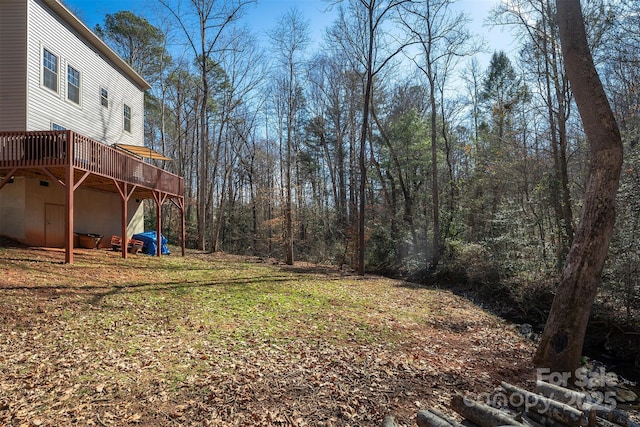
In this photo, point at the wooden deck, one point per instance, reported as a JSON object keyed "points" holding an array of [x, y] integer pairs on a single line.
{"points": [[47, 154], [73, 160]]}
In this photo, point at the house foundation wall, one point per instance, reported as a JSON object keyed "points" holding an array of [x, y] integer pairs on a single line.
{"points": [[25, 218], [12, 207]]}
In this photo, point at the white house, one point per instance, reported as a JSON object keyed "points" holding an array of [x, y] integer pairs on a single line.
{"points": [[56, 75]]}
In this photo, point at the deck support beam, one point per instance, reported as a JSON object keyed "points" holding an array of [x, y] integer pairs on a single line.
{"points": [[69, 202], [7, 179], [73, 160], [159, 197], [125, 190]]}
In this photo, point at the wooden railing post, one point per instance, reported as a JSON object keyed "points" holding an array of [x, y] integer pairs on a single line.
{"points": [[69, 200]]}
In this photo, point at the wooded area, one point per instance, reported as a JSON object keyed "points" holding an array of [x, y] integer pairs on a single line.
{"points": [[389, 149]]}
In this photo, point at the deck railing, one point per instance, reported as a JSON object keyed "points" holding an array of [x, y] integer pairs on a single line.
{"points": [[50, 149]]}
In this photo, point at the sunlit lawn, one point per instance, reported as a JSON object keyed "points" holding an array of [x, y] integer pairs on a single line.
{"points": [[222, 340]]}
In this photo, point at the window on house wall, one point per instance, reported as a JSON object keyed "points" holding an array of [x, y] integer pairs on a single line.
{"points": [[73, 84], [104, 97], [55, 126], [49, 70], [127, 118]]}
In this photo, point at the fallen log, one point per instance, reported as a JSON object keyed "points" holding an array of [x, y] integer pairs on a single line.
{"points": [[562, 394], [600, 422], [520, 398], [481, 414], [426, 418], [534, 418], [445, 417], [612, 415], [433, 418]]}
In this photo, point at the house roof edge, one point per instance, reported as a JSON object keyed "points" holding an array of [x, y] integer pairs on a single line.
{"points": [[96, 41]]}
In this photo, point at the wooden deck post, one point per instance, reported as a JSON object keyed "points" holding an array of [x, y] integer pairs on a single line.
{"points": [[159, 197], [125, 195], [123, 223], [159, 229], [158, 225], [69, 202]]}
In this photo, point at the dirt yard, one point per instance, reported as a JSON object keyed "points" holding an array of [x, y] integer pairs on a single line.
{"points": [[218, 340]]}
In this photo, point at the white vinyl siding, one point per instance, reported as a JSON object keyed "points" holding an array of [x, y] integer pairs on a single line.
{"points": [[27, 28], [73, 84], [47, 30], [49, 70], [13, 65]]}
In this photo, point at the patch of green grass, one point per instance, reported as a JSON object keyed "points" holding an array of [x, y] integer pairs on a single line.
{"points": [[201, 304], [156, 340]]}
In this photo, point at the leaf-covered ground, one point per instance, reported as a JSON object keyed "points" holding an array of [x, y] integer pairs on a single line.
{"points": [[216, 340]]}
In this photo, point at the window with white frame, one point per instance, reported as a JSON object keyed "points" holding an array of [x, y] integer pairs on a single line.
{"points": [[104, 97], [55, 126], [127, 118], [49, 70], [73, 84]]}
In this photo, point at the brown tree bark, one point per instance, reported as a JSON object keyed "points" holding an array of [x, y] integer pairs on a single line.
{"points": [[375, 13], [561, 345], [481, 414]]}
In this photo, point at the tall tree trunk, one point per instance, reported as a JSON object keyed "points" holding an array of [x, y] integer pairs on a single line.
{"points": [[561, 345], [435, 191], [562, 95], [288, 210], [554, 190], [363, 141], [204, 141], [342, 184], [351, 241], [406, 192]]}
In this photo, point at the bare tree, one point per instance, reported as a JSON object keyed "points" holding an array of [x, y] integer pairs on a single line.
{"points": [[329, 102], [533, 20], [367, 52], [245, 68], [442, 38], [561, 345], [212, 17], [290, 38]]}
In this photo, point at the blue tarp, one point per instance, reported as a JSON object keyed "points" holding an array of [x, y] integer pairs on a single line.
{"points": [[150, 243]]}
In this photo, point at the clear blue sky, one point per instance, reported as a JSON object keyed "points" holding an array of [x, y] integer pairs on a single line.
{"points": [[263, 16]]}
